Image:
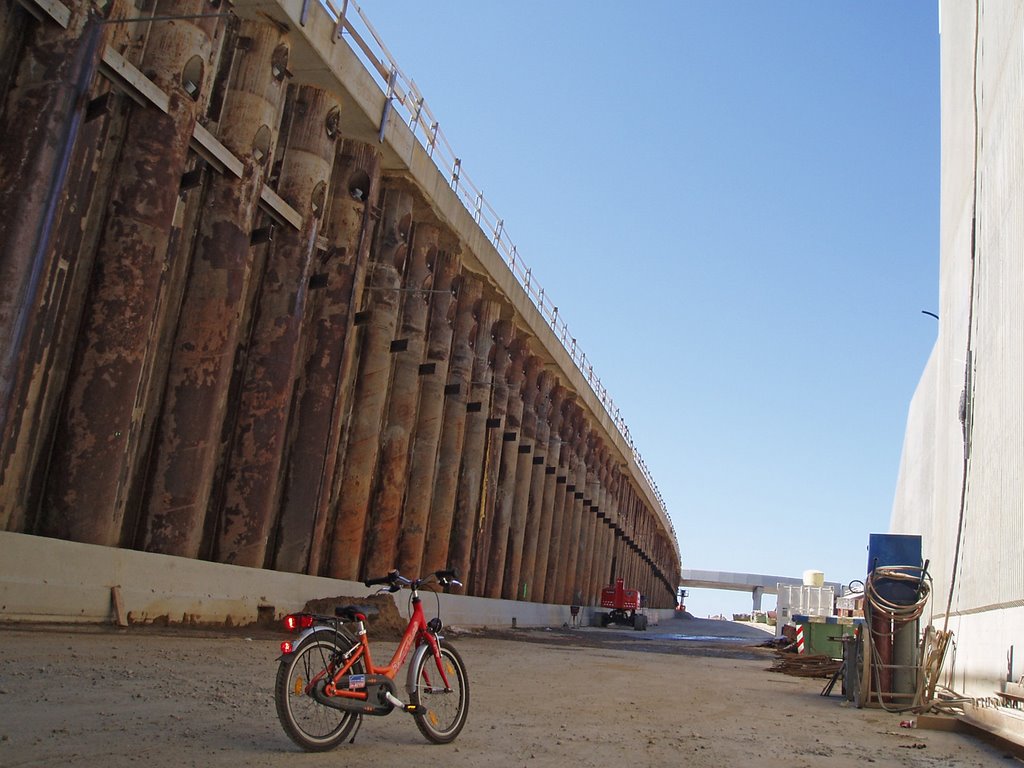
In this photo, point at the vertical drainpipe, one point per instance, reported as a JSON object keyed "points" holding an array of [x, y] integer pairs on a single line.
{"points": [[662, 569], [604, 526], [644, 543], [524, 538], [658, 565], [324, 403], [637, 573], [52, 164], [569, 520], [571, 585], [381, 547], [651, 552], [544, 479], [430, 416], [639, 541], [588, 518], [619, 546], [467, 502], [99, 445], [592, 549], [538, 407], [501, 554], [613, 529], [436, 545], [564, 462], [252, 485], [187, 444], [588, 522], [500, 365], [634, 534], [372, 383], [657, 587], [597, 561], [44, 111], [583, 547], [610, 516], [654, 553], [627, 531], [594, 546], [648, 578], [625, 520]]}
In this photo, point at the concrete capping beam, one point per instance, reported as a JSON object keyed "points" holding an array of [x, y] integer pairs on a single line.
{"points": [[55, 581]]}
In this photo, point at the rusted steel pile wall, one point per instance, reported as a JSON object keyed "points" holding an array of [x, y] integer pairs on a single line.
{"points": [[229, 333]]}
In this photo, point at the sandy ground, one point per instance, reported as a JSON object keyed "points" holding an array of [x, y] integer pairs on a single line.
{"points": [[541, 699]]}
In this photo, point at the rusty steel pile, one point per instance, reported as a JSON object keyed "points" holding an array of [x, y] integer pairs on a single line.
{"points": [[228, 331]]}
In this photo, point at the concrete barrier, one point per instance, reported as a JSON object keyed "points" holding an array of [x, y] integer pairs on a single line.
{"points": [[51, 580]]}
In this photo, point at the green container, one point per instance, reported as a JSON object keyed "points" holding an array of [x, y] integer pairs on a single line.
{"points": [[818, 637]]}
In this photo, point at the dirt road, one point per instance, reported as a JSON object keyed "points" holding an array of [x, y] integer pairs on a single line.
{"points": [[541, 699]]}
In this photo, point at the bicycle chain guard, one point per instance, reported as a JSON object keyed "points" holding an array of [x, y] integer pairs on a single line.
{"points": [[375, 702]]}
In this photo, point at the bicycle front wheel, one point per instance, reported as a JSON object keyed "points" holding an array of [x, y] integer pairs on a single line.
{"points": [[310, 724], [441, 711]]}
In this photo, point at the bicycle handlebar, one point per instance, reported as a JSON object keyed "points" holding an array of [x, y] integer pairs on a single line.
{"points": [[395, 581]]}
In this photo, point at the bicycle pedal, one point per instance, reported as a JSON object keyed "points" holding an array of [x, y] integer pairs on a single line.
{"points": [[415, 709]]}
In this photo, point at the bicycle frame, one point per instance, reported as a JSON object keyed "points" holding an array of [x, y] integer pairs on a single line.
{"points": [[416, 634]]}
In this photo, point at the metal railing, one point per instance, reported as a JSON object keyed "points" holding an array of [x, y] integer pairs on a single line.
{"points": [[405, 100]]}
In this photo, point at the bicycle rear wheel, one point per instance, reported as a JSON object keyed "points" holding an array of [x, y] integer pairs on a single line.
{"points": [[310, 724], [441, 712]]}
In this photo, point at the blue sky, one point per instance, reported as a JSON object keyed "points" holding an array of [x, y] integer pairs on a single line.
{"points": [[735, 207]]}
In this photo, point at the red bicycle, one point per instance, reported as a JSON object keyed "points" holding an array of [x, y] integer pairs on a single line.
{"points": [[327, 681]]}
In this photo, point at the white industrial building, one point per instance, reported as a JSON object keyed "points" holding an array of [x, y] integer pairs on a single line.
{"points": [[960, 483]]}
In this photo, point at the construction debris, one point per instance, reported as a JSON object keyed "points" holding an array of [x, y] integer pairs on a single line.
{"points": [[805, 666]]}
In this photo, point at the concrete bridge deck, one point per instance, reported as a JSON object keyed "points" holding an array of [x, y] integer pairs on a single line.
{"points": [[755, 583]]}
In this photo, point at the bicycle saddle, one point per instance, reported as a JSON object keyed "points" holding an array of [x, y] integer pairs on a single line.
{"points": [[350, 612]]}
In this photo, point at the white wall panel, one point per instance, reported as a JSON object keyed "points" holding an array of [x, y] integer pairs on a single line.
{"points": [[980, 308]]}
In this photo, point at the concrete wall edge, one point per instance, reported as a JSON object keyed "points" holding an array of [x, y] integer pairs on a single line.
{"points": [[54, 581]]}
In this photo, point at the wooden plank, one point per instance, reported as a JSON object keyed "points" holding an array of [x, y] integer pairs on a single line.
{"points": [[1006, 726], [940, 723], [120, 617], [55, 9], [279, 209], [209, 147], [126, 76]]}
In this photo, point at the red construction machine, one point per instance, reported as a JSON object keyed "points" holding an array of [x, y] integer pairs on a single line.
{"points": [[625, 605]]}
